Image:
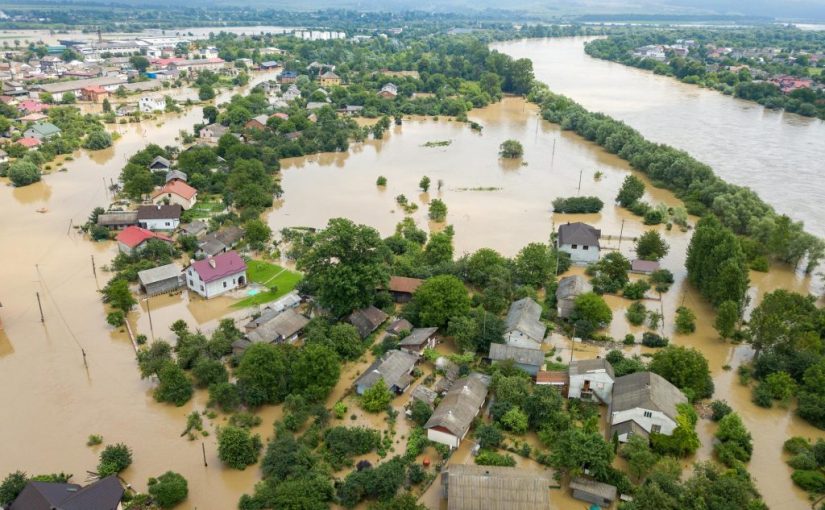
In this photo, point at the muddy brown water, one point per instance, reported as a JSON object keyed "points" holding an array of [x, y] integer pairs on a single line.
{"points": [[57, 402]]}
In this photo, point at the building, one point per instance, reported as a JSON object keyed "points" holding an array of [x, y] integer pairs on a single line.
{"points": [[104, 494], [329, 79], [453, 417], [197, 65], [176, 192], [216, 275], [42, 131], [523, 325], [269, 65], [258, 122], [132, 239], [287, 77], [117, 219], [281, 327], [292, 93], [160, 280], [29, 143], [581, 241], [286, 302], [57, 89], [643, 403], [394, 367], [160, 163], [219, 242], [159, 217], [367, 320], [399, 325], [529, 360], [557, 379], [351, 109], [598, 493], [33, 117], [418, 340], [388, 91], [148, 104], [591, 379], [213, 132], [94, 93], [30, 106], [644, 266], [472, 487], [569, 288], [197, 228], [316, 105], [402, 288], [424, 394]]}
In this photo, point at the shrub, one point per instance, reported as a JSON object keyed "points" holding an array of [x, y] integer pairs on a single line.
{"points": [[762, 395], [116, 318], [438, 210], [577, 205], [94, 440], [23, 173], [416, 474], [685, 320], [804, 460], [381, 181], [244, 420], [237, 448], [491, 458], [811, 481], [376, 398], [488, 436], [511, 149], [636, 313], [796, 445], [97, 140], [650, 339], [168, 489], [720, 409], [339, 409], [420, 412], [12, 486], [636, 290], [209, 371], [662, 279], [114, 459], [175, 387], [225, 396]]}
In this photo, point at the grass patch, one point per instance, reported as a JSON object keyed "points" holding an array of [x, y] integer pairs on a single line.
{"points": [[204, 208], [280, 282]]}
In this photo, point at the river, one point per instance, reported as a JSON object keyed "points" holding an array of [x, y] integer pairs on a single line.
{"points": [[779, 155]]}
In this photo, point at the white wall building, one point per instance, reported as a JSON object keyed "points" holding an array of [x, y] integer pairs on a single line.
{"points": [[643, 403], [591, 379], [148, 104], [216, 275], [581, 241]]}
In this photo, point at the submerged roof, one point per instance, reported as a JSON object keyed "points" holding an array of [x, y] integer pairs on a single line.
{"points": [[471, 487], [647, 391], [133, 236], [579, 233], [603, 490]]}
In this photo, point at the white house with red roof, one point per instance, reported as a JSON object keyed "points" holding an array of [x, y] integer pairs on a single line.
{"points": [[132, 239], [176, 192], [216, 275]]}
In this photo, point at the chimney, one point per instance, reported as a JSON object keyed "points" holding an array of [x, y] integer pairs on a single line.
{"points": [[212, 263]]}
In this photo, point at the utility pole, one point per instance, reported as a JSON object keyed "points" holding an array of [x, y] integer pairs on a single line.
{"points": [[578, 190], [40, 306], [553, 155], [621, 231], [149, 311], [203, 450], [94, 271]]}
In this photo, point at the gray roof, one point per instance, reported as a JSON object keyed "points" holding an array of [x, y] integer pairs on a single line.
{"points": [[367, 320], [116, 219], [104, 494], [67, 86], [159, 212], [585, 366], [471, 487], [524, 316], [315, 105], [572, 286], [217, 130], [603, 490], [194, 228], [163, 161], [394, 367], [579, 233], [176, 174], [159, 274], [646, 390], [399, 325], [417, 337], [424, 394], [211, 247], [501, 352], [461, 404], [282, 326]]}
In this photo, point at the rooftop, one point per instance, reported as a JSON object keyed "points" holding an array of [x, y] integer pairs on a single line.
{"points": [[589, 366], [219, 266], [572, 286], [393, 367], [579, 233], [501, 352], [367, 320], [418, 336], [159, 274], [176, 187], [461, 404], [524, 316], [133, 236], [159, 212], [647, 391], [404, 284], [471, 487], [603, 490]]}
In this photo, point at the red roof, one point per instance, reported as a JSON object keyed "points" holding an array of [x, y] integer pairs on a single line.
{"points": [[219, 266], [133, 236], [554, 377], [177, 187], [96, 89], [163, 62], [29, 142], [280, 116], [31, 106]]}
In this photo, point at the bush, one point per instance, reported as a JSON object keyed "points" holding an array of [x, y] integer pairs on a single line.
{"points": [[209, 371], [339, 410], [511, 149], [662, 279], [488, 436], [376, 398], [98, 140], [23, 173], [416, 474], [685, 320], [650, 339], [577, 205], [804, 460], [811, 481], [237, 448], [114, 459], [175, 387], [168, 489], [420, 412], [244, 420], [381, 181], [720, 409], [796, 445], [438, 210], [636, 290], [12, 486], [225, 396], [762, 395], [94, 440], [491, 458], [116, 319], [636, 313]]}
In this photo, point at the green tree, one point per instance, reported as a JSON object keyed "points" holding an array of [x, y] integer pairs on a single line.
{"points": [[168, 490], [345, 266], [140, 63], [107, 106], [439, 249], [640, 458], [534, 265], [314, 371], [631, 191], [68, 98], [117, 294], [97, 140], [686, 368], [237, 447], [483, 264], [174, 386], [225, 396], [476, 331], [685, 320], [488, 436], [262, 375], [782, 320], [23, 173], [114, 459], [781, 386], [420, 412], [438, 210], [208, 371], [651, 246], [511, 149], [735, 443], [515, 420], [206, 92], [683, 441], [727, 317], [575, 451], [257, 233], [424, 184], [716, 264], [12, 486], [210, 114], [590, 312], [610, 273], [437, 300], [377, 397]]}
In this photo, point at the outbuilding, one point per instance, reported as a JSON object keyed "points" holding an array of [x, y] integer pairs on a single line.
{"points": [[529, 360], [367, 320], [402, 288], [418, 340], [598, 493], [453, 417], [394, 367], [569, 288], [160, 280]]}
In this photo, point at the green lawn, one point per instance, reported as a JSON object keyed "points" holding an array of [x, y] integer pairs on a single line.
{"points": [[204, 208], [279, 280]]}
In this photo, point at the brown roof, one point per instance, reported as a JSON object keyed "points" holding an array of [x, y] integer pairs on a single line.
{"points": [[367, 320], [404, 284], [556, 377], [159, 212], [579, 233], [644, 266]]}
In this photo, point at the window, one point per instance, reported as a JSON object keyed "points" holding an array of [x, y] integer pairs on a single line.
{"points": [[648, 414], [191, 283], [575, 246], [655, 428], [201, 288], [224, 284], [585, 247]]}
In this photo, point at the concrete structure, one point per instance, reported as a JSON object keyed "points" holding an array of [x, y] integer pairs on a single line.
{"points": [[471, 487], [453, 417], [523, 325], [418, 340], [216, 275], [160, 280], [159, 217], [591, 379], [394, 367], [104, 494], [198, 65], [529, 360], [581, 241], [367, 320], [388, 91], [176, 192], [402, 288], [569, 288], [132, 239], [643, 403], [598, 493]]}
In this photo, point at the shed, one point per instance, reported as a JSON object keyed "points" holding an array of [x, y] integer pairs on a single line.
{"points": [[569, 288], [394, 367], [160, 163], [470, 487], [402, 288], [283, 327], [117, 219], [424, 394], [196, 228], [399, 325], [555, 378], [523, 325], [598, 493], [453, 417], [529, 360], [367, 320], [418, 340], [176, 174], [644, 266], [161, 279]]}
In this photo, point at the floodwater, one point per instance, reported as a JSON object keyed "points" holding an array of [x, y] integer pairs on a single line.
{"points": [[779, 155]]}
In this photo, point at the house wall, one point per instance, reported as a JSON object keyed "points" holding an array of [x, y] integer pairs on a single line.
{"points": [[124, 248], [162, 224], [215, 288], [443, 437], [530, 369], [565, 307], [162, 287], [601, 384], [581, 254], [638, 415], [172, 198]]}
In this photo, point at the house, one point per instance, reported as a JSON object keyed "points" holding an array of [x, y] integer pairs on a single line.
{"points": [[473, 487], [287, 77], [173, 175], [329, 79], [213, 132], [42, 131], [283, 327], [523, 326], [292, 93], [402, 288], [269, 65], [643, 403], [286, 302], [367, 320], [418, 340], [644, 266], [197, 228], [591, 379], [29, 143], [94, 93], [558, 379], [147, 104], [31, 106], [388, 91], [220, 241], [399, 325], [424, 394], [529, 360], [315, 105], [160, 163], [394, 367], [160, 280], [117, 219], [581, 241], [159, 217], [33, 117], [450, 371], [598, 493], [351, 109], [453, 417], [569, 288], [104, 494], [132, 239], [176, 192], [258, 122], [57, 89], [279, 115], [216, 275]]}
